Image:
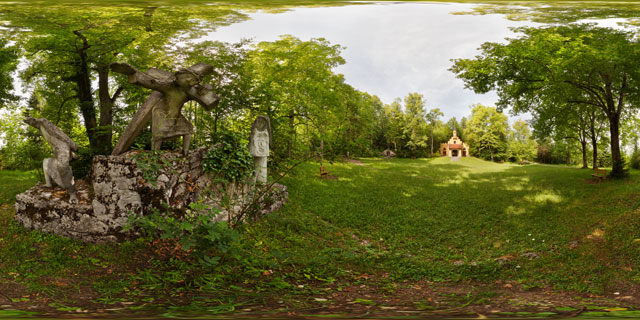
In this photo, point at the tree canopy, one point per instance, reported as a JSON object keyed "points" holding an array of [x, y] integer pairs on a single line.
{"points": [[551, 68], [8, 61], [487, 133]]}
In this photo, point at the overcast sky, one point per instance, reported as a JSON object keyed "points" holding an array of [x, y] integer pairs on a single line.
{"points": [[392, 48]]}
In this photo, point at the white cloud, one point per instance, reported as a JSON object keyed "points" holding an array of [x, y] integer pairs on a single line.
{"points": [[392, 49]]}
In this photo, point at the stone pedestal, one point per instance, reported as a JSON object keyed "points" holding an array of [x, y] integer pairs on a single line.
{"points": [[123, 186]]}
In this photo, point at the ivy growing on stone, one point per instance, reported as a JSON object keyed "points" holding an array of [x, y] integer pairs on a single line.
{"points": [[230, 159]]}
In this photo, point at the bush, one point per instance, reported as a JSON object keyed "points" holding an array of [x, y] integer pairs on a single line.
{"points": [[230, 159], [604, 158], [634, 162], [196, 236]]}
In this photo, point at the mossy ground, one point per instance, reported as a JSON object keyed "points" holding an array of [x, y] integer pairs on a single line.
{"points": [[426, 235]]}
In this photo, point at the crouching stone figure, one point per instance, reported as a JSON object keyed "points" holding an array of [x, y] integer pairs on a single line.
{"points": [[57, 168]]}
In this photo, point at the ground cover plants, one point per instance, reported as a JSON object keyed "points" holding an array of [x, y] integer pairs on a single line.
{"points": [[384, 236], [420, 235]]}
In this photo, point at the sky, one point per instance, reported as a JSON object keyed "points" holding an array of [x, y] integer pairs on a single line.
{"points": [[392, 49]]}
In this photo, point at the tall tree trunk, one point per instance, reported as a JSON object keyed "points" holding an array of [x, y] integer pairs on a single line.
{"points": [[215, 124], [87, 108], [431, 141], [104, 130], [617, 169], [594, 138], [613, 113], [583, 145], [594, 145], [82, 78], [568, 157], [321, 144]]}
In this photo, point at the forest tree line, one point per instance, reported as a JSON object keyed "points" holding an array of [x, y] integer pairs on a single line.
{"points": [[313, 111]]}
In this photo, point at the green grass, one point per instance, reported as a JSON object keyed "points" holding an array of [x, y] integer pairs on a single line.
{"points": [[445, 220], [14, 182], [426, 219]]}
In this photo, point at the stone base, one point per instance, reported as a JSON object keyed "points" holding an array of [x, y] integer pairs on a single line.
{"points": [[119, 189], [48, 210]]}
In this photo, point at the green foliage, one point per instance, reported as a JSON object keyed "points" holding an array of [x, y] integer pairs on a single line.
{"points": [[231, 79], [8, 63], [230, 159], [82, 165], [634, 162], [521, 145], [150, 163], [415, 126], [487, 133], [199, 237], [296, 87], [333, 231], [549, 69], [24, 149]]}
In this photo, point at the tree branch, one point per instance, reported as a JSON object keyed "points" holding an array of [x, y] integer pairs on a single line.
{"points": [[62, 104], [116, 94]]}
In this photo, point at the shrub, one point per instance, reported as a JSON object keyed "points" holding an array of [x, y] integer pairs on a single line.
{"points": [[634, 162], [196, 235], [604, 158], [230, 159]]}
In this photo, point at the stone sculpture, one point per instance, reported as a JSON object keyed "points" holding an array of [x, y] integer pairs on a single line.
{"points": [[57, 168], [164, 105], [259, 143]]}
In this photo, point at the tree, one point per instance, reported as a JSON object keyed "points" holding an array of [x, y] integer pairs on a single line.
{"points": [[295, 86], [357, 127], [433, 117], [567, 121], [8, 62], [69, 48], [231, 79], [396, 118], [487, 132], [548, 67], [415, 125], [521, 145]]}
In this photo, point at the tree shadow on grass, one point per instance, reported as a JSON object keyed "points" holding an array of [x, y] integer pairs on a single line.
{"points": [[425, 214]]}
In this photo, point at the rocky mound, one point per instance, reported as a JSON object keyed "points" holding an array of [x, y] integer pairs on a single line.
{"points": [[136, 183]]}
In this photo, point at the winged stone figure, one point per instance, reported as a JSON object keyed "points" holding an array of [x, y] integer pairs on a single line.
{"points": [[163, 107]]}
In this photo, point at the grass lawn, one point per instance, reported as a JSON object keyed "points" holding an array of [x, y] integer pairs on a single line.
{"points": [[14, 182], [474, 219], [429, 234]]}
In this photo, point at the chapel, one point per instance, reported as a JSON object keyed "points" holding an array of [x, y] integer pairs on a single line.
{"points": [[454, 148]]}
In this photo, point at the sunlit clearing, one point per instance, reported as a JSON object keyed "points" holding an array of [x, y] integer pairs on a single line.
{"points": [[543, 197]]}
